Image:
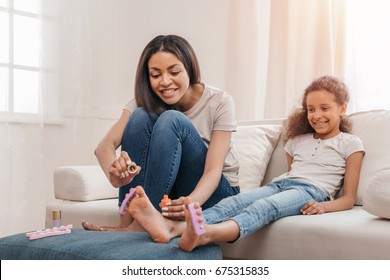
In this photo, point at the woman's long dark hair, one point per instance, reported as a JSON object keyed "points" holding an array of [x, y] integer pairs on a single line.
{"points": [[144, 95]]}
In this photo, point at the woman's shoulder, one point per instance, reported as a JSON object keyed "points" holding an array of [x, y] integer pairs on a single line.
{"points": [[214, 93], [212, 90], [131, 105]]}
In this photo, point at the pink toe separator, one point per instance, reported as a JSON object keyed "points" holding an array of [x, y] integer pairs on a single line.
{"points": [[199, 227], [49, 232], [128, 197]]}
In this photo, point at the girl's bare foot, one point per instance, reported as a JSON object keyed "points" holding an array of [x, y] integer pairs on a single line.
{"points": [[160, 229], [189, 240]]}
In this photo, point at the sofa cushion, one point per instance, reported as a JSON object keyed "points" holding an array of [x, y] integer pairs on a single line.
{"points": [[371, 126], [99, 245], [254, 145], [343, 235], [82, 183], [376, 200]]}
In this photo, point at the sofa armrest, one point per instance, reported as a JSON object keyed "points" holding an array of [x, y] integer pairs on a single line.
{"points": [[82, 183]]}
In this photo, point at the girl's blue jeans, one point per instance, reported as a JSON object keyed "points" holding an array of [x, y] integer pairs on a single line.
{"points": [[172, 157], [257, 207]]}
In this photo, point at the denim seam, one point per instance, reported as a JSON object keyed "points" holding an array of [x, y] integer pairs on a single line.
{"points": [[144, 159], [169, 181]]}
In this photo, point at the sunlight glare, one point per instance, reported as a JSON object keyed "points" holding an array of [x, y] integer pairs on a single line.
{"points": [[26, 91], [30, 6], [4, 37], [3, 89], [26, 41]]}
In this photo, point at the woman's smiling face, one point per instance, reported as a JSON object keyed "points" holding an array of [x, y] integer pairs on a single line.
{"points": [[168, 77]]}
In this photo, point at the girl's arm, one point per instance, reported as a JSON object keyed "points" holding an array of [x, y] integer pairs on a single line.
{"points": [[215, 159], [106, 153], [347, 200], [289, 161]]}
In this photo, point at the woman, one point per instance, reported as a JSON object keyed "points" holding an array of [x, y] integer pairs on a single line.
{"points": [[177, 130]]}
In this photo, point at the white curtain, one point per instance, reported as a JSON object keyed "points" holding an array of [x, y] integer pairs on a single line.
{"points": [[247, 60], [307, 40], [22, 148], [22, 182], [367, 56]]}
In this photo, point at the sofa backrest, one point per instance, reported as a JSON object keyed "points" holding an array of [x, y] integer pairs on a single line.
{"points": [[277, 164], [373, 129], [371, 126]]}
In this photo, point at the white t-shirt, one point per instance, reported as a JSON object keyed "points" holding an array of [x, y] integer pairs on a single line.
{"points": [[321, 162], [213, 111]]}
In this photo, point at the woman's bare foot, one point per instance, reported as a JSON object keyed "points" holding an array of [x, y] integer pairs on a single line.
{"points": [[124, 222], [134, 227], [189, 240], [160, 229], [88, 226]]}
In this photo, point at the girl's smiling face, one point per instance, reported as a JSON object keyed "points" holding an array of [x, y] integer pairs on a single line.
{"points": [[168, 77], [324, 113]]}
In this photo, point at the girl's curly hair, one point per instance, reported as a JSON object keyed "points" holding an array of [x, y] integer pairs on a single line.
{"points": [[297, 123]]}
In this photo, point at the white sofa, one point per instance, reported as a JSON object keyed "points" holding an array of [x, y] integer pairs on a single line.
{"points": [[83, 193]]}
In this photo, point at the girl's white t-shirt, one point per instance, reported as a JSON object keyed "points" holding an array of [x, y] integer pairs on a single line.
{"points": [[321, 162]]}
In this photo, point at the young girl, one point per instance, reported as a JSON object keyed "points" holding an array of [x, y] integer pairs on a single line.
{"points": [[322, 157], [176, 129]]}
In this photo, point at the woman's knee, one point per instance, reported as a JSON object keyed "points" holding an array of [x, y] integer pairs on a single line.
{"points": [[138, 122], [140, 115], [172, 118], [172, 115]]}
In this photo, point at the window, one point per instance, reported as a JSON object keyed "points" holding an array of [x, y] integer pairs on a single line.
{"points": [[20, 56], [367, 53]]}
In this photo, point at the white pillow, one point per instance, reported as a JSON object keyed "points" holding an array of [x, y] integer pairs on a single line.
{"points": [[376, 200], [82, 183], [372, 128], [254, 145]]}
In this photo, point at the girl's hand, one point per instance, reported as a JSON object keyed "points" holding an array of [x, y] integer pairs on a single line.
{"points": [[117, 172], [174, 209], [313, 207]]}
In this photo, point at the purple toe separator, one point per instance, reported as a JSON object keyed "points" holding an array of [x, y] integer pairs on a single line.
{"points": [[128, 197], [198, 226]]}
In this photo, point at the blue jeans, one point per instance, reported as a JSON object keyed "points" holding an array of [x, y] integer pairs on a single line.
{"points": [[257, 207], [172, 157]]}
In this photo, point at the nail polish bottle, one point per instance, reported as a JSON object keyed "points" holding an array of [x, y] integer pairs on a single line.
{"points": [[164, 200], [56, 218], [132, 167]]}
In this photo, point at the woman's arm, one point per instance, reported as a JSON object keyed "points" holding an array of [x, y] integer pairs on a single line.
{"points": [[106, 152], [215, 159], [347, 200]]}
